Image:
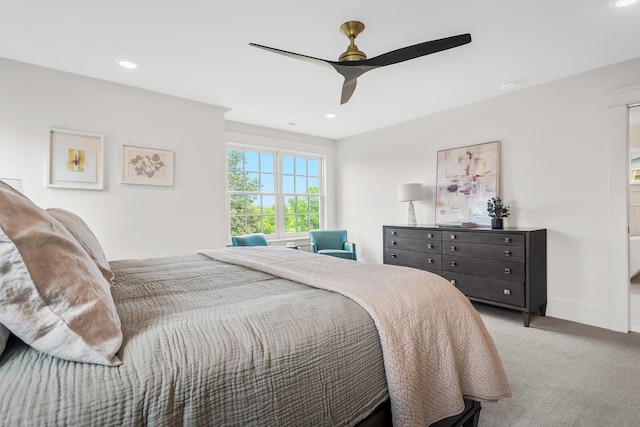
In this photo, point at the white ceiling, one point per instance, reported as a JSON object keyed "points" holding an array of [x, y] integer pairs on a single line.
{"points": [[198, 49]]}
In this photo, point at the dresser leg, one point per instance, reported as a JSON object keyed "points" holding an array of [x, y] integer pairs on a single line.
{"points": [[525, 318]]}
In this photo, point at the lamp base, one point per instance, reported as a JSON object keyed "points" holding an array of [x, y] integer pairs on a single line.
{"points": [[411, 217]]}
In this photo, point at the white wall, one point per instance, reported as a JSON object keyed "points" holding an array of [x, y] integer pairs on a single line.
{"points": [[130, 221], [555, 174]]}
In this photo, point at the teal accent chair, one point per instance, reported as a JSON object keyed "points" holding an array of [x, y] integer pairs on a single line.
{"points": [[332, 242], [257, 239]]}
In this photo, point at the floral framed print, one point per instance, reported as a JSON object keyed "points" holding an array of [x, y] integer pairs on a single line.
{"points": [[467, 178], [75, 159], [148, 166]]}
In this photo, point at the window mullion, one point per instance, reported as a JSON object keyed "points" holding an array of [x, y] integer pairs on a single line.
{"points": [[279, 196]]}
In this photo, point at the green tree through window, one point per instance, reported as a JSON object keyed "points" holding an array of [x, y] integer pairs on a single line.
{"points": [[301, 180]]}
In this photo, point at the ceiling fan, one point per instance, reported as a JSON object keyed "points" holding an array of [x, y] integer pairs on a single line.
{"points": [[353, 63]]}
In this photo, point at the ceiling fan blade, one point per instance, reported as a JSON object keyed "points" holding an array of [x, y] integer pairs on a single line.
{"points": [[350, 73], [348, 87], [306, 58], [418, 50]]}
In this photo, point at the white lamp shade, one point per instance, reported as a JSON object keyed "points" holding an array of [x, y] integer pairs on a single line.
{"points": [[409, 192], [15, 183]]}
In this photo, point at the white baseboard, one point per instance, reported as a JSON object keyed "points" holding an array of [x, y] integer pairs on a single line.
{"points": [[582, 313]]}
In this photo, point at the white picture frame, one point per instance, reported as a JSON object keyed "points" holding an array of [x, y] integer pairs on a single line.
{"points": [[75, 159], [146, 165]]}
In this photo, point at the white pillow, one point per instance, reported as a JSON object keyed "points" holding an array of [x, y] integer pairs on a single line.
{"points": [[52, 294]]}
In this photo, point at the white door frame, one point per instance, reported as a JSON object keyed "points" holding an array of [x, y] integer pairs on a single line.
{"points": [[618, 202]]}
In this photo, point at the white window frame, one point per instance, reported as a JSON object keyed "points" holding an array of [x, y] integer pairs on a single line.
{"points": [[281, 234]]}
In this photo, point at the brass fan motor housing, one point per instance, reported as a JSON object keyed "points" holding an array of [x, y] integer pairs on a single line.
{"points": [[351, 29]]}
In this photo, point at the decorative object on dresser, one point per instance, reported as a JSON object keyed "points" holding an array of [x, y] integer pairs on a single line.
{"points": [[497, 210], [466, 178], [505, 268], [409, 193]]}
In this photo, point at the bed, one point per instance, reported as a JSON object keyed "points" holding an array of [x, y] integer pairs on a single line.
{"points": [[227, 337]]}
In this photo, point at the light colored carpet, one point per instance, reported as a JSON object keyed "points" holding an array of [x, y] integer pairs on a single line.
{"points": [[563, 373]]}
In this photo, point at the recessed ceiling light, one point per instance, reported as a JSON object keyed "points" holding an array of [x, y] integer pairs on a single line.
{"points": [[330, 115], [127, 63], [623, 3], [508, 85]]}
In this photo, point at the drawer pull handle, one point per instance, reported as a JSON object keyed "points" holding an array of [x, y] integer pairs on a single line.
{"points": [[393, 242], [453, 282], [453, 263], [429, 246], [507, 239], [430, 260], [507, 253], [393, 255], [393, 233], [507, 291], [453, 248], [453, 237], [507, 271], [429, 235]]}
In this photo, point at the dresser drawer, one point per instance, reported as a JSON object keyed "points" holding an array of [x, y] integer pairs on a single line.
{"points": [[422, 245], [477, 250], [488, 289], [413, 259], [504, 270], [503, 239], [412, 234]]}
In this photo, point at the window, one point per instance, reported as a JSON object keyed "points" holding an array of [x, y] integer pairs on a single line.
{"points": [[275, 193]]}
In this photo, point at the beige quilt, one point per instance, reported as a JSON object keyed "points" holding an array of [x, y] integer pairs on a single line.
{"points": [[435, 346]]}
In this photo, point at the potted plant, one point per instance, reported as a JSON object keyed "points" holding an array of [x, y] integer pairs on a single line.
{"points": [[497, 210]]}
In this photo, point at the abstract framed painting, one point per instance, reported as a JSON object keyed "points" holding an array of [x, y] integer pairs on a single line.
{"points": [[467, 177], [147, 166], [75, 159]]}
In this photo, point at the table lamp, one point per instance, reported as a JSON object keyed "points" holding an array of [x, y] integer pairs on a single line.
{"points": [[409, 193]]}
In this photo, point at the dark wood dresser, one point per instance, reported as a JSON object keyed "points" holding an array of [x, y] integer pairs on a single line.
{"points": [[505, 268]]}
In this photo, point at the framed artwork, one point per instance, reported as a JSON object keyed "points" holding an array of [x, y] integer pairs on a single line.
{"points": [[147, 166], [467, 178], [75, 159]]}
